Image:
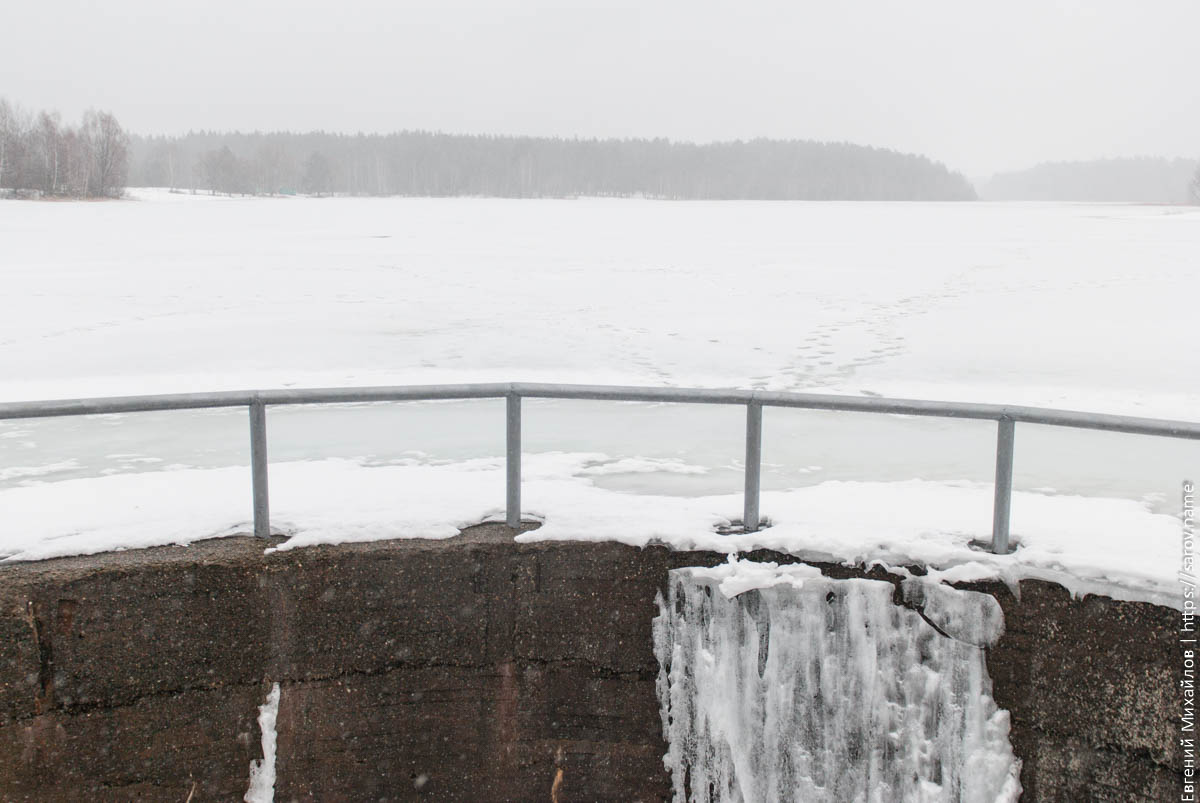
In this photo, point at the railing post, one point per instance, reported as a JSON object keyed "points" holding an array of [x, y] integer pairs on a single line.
{"points": [[750, 518], [258, 468], [1002, 509], [512, 511]]}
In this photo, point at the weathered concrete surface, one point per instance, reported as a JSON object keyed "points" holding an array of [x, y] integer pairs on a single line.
{"points": [[472, 669], [1093, 689]]}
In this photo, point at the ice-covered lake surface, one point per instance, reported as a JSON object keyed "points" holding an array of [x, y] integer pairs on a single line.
{"points": [[1071, 306]]}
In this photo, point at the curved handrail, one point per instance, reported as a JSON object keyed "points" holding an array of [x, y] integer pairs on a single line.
{"points": [[1007, 416]]}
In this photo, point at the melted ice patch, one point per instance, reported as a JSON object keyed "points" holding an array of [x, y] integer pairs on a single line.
{"points": [[824, 690]]}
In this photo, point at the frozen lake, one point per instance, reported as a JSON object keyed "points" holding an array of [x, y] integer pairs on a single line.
{"points": [[1073, 306]]}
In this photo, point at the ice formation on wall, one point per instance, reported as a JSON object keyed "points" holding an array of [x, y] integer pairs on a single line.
{"points": [[262, 771], [777, 683]]}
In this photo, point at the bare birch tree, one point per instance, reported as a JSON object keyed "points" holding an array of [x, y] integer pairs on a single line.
{"points": [[110, 153]]}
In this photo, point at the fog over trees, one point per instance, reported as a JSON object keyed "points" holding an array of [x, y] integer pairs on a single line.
{"points": [[40, 155], [432, 164], [1138, 180]]}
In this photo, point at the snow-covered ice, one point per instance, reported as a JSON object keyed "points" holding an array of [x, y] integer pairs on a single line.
{"points": [[779, 684], [1064, 305], [1074, 306]]}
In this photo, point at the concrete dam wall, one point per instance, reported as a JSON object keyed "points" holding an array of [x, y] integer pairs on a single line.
{"points": [[472, 669]]}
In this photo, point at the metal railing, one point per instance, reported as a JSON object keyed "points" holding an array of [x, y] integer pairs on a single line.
{"points": [[753, 400]]}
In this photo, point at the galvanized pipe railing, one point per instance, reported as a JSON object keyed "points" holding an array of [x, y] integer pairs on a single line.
{"points": [[1002, 507], [512, 461], [258, 469], [754, 400], [753, 470]]}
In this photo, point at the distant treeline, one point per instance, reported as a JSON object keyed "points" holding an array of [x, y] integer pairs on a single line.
{"points": [[40, 155], [1142, 180], [431, 164]]}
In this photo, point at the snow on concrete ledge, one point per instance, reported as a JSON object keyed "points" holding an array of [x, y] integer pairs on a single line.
{"points": [[1112, 546]]}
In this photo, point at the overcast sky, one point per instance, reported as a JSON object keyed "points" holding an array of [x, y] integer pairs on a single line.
{"points": [[981, 86]]}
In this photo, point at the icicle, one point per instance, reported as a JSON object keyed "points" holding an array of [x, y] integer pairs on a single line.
{"points": [[811, 689]]}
